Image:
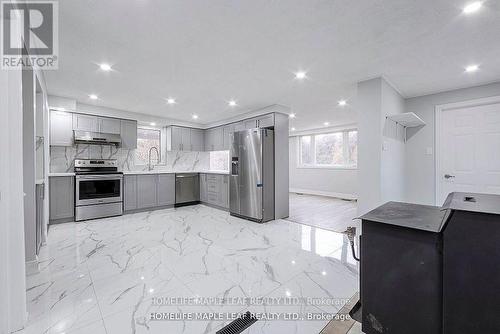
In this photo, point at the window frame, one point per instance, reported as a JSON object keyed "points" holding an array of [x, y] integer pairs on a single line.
{"points": [[161, 160], [314, 165]]}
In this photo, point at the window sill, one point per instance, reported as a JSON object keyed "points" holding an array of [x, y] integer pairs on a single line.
{"points": [[328, 167]]}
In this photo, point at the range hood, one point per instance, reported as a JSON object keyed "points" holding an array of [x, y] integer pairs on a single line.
{"points": [[97, 138]]}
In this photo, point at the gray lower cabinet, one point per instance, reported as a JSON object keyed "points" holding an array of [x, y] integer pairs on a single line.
{"points": [[165, 189], [216, 188], [130, 192], [62, 197], [203, 187], [146, 191], [225, 191]]}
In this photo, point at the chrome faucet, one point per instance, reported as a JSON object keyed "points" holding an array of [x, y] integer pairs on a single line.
{"points": [[150, 166]]}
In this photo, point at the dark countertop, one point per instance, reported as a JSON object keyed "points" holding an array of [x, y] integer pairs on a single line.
{"points": [[472, 202], [415, 216]]}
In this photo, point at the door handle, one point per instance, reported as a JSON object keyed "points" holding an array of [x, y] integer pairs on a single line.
{"points": [[448, 176]]}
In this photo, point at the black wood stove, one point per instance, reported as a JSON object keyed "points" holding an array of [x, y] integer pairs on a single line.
{"points": [[432, 270]]}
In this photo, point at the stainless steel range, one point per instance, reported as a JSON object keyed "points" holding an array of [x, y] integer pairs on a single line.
{"points": [[98, 189]]}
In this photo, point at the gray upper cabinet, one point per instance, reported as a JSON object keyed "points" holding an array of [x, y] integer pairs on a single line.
{"points": [[92, 123], [175, 139], [265, 121], [109, 125], [228, 130], [239, 126], [128, 132], [166, 189], [197, 140], [251, 124], [62, 125], [85, 123], [61, 128], [214, 140], [184, 139], [62, 197], [129, 192], [146, 191]]}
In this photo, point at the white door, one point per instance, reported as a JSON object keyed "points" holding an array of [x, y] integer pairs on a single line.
{"points": [[469, 151]]}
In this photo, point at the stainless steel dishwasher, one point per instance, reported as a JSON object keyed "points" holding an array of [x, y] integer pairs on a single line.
{"points": [[187, 189]]}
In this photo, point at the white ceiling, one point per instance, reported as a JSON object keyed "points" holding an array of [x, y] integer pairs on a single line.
{"points": [[205, 53]]}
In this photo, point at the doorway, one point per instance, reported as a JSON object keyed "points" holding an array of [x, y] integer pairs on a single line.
{"points": [[468, 148]]}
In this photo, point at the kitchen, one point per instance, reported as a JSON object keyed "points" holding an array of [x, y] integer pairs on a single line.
{"points": [[109, 182]]}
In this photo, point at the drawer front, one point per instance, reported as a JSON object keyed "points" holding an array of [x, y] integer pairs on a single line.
{"points": [[212, 198]]}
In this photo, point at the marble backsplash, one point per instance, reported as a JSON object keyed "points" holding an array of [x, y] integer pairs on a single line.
{"points": [[62, 159]]}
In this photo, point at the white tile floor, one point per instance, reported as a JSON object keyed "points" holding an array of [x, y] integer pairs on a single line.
{"points": [[101, 276], [328, 213]]}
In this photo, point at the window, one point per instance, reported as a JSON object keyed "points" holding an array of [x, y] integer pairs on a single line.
{"points": [[336, 149], [147, 138]]}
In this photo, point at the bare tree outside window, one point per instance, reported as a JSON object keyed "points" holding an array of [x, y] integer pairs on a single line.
{"points": [[147, 138], [305, 149], [336, 149]]}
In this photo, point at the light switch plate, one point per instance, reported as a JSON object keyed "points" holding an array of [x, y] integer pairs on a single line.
{"points": [[429, 151]]}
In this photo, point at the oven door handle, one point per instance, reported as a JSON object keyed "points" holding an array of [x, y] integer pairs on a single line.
{"points": [[99, 177]]}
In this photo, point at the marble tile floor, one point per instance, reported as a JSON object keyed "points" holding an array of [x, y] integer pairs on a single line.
{"points": [[110, 275]]}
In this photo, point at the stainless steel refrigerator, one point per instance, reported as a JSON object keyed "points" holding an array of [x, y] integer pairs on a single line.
{"points": [[251, 186]]}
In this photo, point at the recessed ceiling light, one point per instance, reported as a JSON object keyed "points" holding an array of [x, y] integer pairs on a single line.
{"points": [[105, 67], [288, 293], [171, 100], [292, 115], [232, 103], [473, 7], [152, 124], [323, 273], [293, 129], [472, 68], [93, 97], [195, 116], [342, 103], [326, 123], [300, 75]]}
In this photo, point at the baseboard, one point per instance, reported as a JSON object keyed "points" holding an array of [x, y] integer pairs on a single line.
{"points": [[32, 267], [324, 193]]}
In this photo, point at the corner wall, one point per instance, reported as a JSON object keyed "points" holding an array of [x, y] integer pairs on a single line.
{"points": [[380, 145]]}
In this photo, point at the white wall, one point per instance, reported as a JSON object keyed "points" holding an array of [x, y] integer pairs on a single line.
{"points": [[342, 183], [380, 149], [12, 265], [393, 147], [420, 166]]}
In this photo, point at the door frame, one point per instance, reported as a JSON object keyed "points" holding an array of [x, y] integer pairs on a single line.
{"points": [[439, 109]]}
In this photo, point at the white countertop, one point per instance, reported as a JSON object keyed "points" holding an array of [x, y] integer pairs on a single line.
{"points": [[174, 172], [142, 172], [62, 174], [39, 181]]}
